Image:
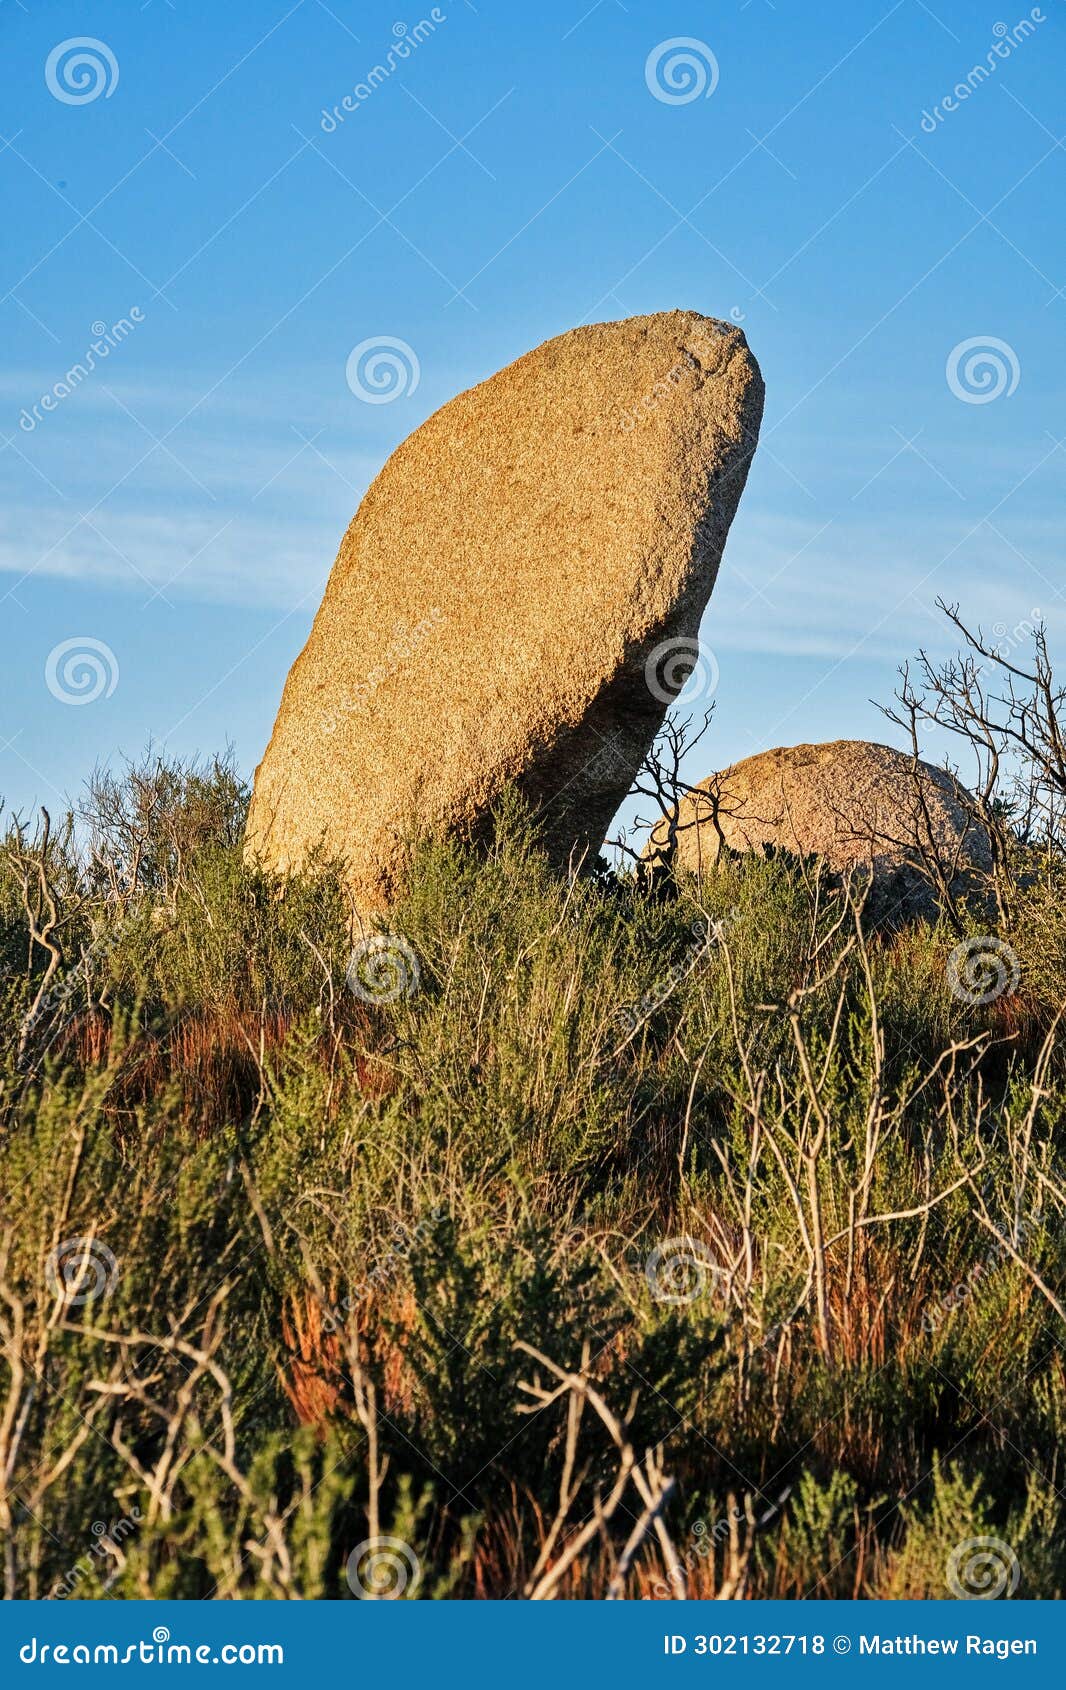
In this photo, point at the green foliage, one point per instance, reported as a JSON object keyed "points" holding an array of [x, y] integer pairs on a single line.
{"points": [[794, 1207]]}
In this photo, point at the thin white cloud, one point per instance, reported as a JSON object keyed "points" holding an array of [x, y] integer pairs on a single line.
{"points": [[805, 589]]}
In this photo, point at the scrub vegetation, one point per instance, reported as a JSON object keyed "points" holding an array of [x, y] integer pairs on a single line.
{"points": [[573, 1240]]}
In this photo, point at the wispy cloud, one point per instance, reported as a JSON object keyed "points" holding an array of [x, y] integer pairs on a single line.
{"points": [[830, 587]]}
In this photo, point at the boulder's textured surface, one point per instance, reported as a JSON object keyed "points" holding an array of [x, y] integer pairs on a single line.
{"points": [[502, 589], [850, 802]]}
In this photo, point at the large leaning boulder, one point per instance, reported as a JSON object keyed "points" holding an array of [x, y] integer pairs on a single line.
{"points": [[851, 803], [510, 600]]}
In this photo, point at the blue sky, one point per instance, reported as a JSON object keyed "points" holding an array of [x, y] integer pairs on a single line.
{"points": [[513, 176]]}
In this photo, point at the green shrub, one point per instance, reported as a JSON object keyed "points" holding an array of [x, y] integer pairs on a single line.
{"points": [[789, 1208]]}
